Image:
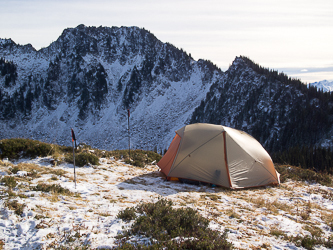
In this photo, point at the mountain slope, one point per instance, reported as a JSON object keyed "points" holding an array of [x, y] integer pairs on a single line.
{"points": [[90, 76], [326, 86], [280, 112]]}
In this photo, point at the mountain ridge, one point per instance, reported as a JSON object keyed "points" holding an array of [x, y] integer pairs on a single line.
{"points": [[90, 76], [324, 85], [62, 88]]}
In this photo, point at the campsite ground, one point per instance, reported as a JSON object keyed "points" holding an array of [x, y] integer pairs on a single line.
{"points": [[285, 217]]}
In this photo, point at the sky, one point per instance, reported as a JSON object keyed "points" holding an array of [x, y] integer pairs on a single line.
{"points": [[291, 36]]}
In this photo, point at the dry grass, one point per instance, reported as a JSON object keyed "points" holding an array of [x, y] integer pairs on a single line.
{"points": [[314, 231], [231, 213], [213, 197], [54, 178], [327, 217], [325, 193], [276, 231], [54, 197], [56, 172], [16, 206], [103, 214], [303, 209], [2, 244], [272, 206], [5, 164], [35, 171]]}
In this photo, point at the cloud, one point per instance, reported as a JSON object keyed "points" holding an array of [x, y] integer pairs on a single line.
{"points": [[310, 74]]}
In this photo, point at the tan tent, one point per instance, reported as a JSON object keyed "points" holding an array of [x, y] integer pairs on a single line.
{"points": [[218, 155]]}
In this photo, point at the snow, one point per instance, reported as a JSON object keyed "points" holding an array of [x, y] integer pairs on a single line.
{"points": [[164, 104], [102, 191], [325, 85]]}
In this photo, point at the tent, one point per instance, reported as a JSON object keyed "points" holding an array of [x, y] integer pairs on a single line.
{"points": [[218, 155]]}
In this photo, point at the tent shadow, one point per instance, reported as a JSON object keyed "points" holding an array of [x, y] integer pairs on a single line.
{"points": [[155, 182]]}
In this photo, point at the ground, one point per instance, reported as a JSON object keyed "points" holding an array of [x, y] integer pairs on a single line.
{"points": [[280, 217]]}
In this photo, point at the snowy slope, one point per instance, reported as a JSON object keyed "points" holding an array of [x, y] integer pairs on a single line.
{"points": [[326, 86], [254, 218], [90, 76], [119, 68]]}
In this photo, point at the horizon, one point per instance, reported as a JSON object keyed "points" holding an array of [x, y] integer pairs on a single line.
{"points": [[289, 36]]}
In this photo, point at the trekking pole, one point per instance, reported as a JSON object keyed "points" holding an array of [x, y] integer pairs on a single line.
{"points": [[129, 137], [73, 140]]}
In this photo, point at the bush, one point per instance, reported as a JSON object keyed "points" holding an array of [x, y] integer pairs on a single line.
{"points": [[14, 205], [82, 159], [164, 224], [54, 188], [16, 148], [15, 169], [127, 214], [139, 158], [300, 174], [9, 181], [308, 242]]}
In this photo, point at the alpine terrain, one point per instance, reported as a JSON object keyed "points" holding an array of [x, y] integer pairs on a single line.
{"points": [[323, 85], [90, 76]]}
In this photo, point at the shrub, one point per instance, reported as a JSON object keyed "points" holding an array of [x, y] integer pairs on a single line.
{"points": [[9, 181], [10, 193], [85, 158], [127, 214], [171, 228], [308, 242], [277, 232], [160, 217], [33, 174], [15, 169], [82, 159], [54, 188], [299, 174], [139, 158], [14, 205], [58, 172], [54, 178], [16, 148]]}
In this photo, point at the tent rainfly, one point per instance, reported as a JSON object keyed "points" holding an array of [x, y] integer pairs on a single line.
{"points": [[218, 155]]}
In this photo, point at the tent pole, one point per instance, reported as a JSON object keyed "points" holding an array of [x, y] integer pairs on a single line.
{"points": [[74, 141], [226, 158], [129, 136], [74, 164]]}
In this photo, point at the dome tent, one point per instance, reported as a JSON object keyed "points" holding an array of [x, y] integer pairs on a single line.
{"points": [[218, 155]]}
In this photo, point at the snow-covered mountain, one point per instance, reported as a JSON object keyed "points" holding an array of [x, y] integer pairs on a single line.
{"points": [[278, 111], [326, 86], [87, 80], [90, 76]]}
